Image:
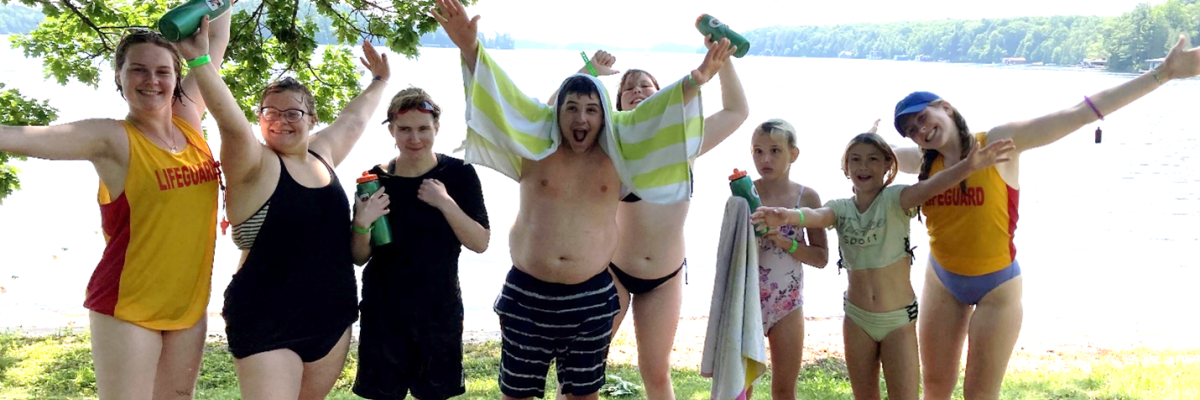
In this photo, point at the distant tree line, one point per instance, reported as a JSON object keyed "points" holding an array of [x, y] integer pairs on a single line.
{"points": [[1126, 41]]}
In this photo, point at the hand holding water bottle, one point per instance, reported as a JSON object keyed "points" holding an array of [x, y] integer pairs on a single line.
{"points": [[713, 61], [367, 211]]}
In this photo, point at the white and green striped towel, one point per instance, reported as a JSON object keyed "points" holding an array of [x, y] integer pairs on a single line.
{"points": [[651, 146]]}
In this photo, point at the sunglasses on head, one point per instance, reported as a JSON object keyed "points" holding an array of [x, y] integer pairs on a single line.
{"points": [[423, 107]]}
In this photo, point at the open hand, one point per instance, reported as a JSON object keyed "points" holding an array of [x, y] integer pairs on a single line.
{"points": [[1181, 62], [772, 216], [994, 153], [453, 17], [716, 58], [375, 62]]}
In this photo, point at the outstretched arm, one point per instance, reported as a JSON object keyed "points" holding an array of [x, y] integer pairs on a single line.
{"points": [[241, 152], [804, 217], [994, 153], [192, 106], [91, 140], [1180, 63], [338, 139], [816, 251], [463, 32], [719, 126]]}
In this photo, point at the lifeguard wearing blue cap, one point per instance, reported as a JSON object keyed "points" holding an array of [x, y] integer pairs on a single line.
{"points": [[973, 289]]}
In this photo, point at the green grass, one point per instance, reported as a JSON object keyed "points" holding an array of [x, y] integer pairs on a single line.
{"points": [[59, 366]]}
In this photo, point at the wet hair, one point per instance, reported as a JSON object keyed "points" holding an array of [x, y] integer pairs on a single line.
{"points": [[582, 86], [632, 75], [877, 141], [138, 36], [965, 142], [779, 130], [576, 85], [289, 84], [412, 98]]}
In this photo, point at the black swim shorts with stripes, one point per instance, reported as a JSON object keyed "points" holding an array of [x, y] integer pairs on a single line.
{"points": [[542, 321]]}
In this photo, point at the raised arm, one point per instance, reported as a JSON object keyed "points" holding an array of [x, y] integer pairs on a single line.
{"points": [[192, 106], [602, 62], [338, 139], [714, 60], [241, 152], [463, 32], [1180, 63], [734, 109], [995, 152]]}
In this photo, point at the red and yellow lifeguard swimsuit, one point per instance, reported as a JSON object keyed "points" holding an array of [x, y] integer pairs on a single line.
{"points": [[156, 270]]}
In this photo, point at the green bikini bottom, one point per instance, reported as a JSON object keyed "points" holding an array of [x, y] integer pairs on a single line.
{"points": [[879, 325]]}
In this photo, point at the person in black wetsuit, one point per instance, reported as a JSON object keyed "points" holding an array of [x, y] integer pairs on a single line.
{"points": [[412, 310], [289, 307]]}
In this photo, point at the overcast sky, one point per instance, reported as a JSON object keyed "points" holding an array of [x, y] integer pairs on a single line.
{"points": [[643, 23]]}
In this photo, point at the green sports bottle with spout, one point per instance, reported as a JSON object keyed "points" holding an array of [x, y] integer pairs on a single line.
{"points": [[741, 186], [183, 21], [712, 26], [381, 230]]}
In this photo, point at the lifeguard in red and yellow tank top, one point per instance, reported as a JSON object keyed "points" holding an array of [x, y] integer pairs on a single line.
{"points": [[972, 233], [156, 270]]}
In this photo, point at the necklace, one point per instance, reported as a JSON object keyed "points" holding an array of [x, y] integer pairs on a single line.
{"points": [[174, 147]]}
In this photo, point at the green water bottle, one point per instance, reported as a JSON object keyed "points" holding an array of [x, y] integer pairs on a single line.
{"points": [[743, 187], [381, 231], [183, 21], [711, 26]]}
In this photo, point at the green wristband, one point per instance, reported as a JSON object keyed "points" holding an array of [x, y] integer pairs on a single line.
{"points": [[795, 245], [360, 230], [588, 63], [801, 216], [198, 61]]}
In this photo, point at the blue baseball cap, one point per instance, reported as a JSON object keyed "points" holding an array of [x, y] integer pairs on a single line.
{"points": [[914, 102]]}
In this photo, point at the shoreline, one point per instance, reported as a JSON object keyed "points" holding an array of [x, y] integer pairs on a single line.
{"points": [[1037, 349]]}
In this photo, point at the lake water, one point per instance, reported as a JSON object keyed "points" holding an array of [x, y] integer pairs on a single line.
{"points": [[1105, 229]]}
